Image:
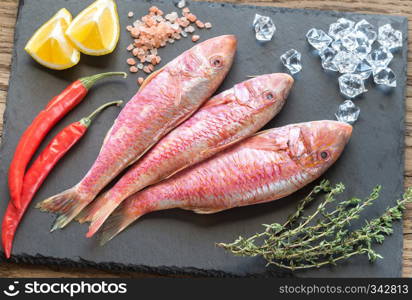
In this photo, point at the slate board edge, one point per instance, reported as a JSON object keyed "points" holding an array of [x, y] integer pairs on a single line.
{"points": [[159, 270], [172, 270], [334, 13], [12, 71]]}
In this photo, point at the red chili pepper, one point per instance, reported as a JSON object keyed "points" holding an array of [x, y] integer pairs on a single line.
{"points": [[39, 170], [57, 108]]}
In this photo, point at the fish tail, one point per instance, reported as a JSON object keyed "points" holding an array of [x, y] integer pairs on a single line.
{"points": [[89, 212], [133, 208], [68, 204], [117, 222], [102, 212], [83, 216]]}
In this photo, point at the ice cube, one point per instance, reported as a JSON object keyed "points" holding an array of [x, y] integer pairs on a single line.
{"points": [[345, 61], [363, 50], [364, 69], [338, 46], [380, 58], [367, 29], [358, 42], [385, 76], [349, 42], [341, 28], [351, 85], [348, 112], [389, 37], [264, 28], [318, 38], [326, 57], [292, 60]]}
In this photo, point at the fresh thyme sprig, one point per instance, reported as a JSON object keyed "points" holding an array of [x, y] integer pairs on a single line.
{"points": [[322, 237]]}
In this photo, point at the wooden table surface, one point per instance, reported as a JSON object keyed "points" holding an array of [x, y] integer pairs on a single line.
{"points": [[8, 12]]}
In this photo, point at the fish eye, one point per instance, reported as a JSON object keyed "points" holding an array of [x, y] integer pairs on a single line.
{"points": [[324, 155], [268, 95], [216, 61]]}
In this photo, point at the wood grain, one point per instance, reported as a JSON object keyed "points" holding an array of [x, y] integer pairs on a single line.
{"points": [[8, 12]]}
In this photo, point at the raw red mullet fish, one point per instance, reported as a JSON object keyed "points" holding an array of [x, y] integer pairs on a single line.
{"points": [[268, 166], [225, 119], [165, 100]]}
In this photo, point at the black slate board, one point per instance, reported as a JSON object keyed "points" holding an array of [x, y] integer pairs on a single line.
{"points": [[183, 242]]}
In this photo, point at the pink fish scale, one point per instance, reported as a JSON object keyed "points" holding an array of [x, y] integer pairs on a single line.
{"points": [[121, 147], [211, 124], [247, 171], [265, 167], [165, 100], [224, 119]]}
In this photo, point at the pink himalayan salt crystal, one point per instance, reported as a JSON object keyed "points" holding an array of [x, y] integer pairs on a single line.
{"points": [[184, 22], [190, 29], [154, 60], [172, 17], [200, 24], [150, 58], [135, 52], [191, 17], [153, 9], [140, 80], [131, 61], [135, 33], [153, 31]]}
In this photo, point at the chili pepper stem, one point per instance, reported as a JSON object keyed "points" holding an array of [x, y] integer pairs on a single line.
{"points": [[88, 120], [88, 82]]}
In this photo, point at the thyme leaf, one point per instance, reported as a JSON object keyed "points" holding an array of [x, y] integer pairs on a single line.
{"points": [[323, 237]]}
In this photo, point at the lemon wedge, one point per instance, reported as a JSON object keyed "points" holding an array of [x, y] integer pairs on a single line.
{"points": [[95, 31], [49, 45]]}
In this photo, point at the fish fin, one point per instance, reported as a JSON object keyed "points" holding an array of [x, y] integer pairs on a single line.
{"points": [[150, 78], [206, 211], [217, 100], [68, 204], [83, 216], [99, 216], [212, 151], [87, 214], [106, 138], [173, 173], [178, 94], [116, 223], [260, 142]]}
